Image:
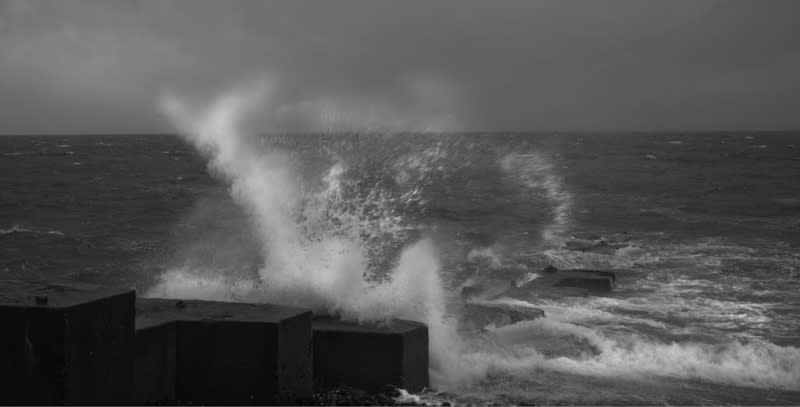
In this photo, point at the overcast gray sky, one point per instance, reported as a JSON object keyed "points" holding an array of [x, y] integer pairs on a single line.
{"points": [[74, 66]]}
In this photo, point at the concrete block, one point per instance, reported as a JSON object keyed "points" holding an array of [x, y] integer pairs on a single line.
{"points": [[590, 280], [235, 353], [154, 365], [370, 357], [65, 343], [592, 273]]}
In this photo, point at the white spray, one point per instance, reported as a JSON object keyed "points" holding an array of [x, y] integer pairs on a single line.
{"points": [[309, 260], [537, 173], [316, 254]]}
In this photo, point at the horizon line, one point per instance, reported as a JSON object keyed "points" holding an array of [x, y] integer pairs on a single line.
{"points": [[410, 132]]}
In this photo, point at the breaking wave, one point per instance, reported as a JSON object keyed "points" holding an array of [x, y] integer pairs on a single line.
{"points": [[753, 364], [341, 243], [316, 240]]}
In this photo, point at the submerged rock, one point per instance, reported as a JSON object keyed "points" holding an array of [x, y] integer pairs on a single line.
{"points": [[550, 269], [491, 288], [593, 274], [591, 280], [583, 245], [483, 315], [567, 282], [593, 246]]}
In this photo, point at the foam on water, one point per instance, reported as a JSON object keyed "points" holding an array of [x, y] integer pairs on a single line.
{"points": [[671, 321], [754, 363], [526, 349]]}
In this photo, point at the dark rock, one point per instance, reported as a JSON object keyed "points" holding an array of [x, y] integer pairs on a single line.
{"points": [[600, 246], [481, 315], [370, 356], [582, 245], [487, 289], [586, 279], [344, 395], [593, 273], [470, 291], [65, 344], [550, 269]]}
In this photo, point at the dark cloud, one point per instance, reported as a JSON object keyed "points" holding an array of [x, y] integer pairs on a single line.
{"points": [[99, 66]]}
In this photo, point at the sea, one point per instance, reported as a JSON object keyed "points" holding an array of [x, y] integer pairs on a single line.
{"points": [[701, 229]]}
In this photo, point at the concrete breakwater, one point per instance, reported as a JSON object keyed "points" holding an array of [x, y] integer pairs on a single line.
{"points": [[81, 344]]}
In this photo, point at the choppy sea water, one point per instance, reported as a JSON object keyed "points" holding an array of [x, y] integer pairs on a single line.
{"points": [[702, 229]]}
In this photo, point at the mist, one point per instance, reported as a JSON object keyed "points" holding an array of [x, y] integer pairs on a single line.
{"points": [[81, 66]]}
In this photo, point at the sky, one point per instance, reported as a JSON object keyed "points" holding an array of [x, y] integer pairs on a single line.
{"points": [[80, 66]]}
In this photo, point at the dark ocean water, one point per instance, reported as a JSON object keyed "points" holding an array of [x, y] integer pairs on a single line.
{"points": [[702, 229]]}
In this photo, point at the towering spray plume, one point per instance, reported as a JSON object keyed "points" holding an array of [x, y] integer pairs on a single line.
{"points": [[315, 253], [317, 241]]}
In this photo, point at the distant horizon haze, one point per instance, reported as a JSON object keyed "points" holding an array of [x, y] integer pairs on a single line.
{"points": [[462, 132], [87, 66]]}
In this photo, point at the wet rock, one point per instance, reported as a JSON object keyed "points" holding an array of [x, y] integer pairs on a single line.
{"points": [[593, 273], [483, 315], [349, 396], [487, 289], [591, 280], [550, 269], [591, 284], [593, 246], [582, 245]]}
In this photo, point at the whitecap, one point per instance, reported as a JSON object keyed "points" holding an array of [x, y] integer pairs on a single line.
{"points": [[22, 229], [15, 229], [750, 363]]}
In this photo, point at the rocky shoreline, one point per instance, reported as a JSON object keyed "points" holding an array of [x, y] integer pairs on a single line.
{"points": [[348, 396]]}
